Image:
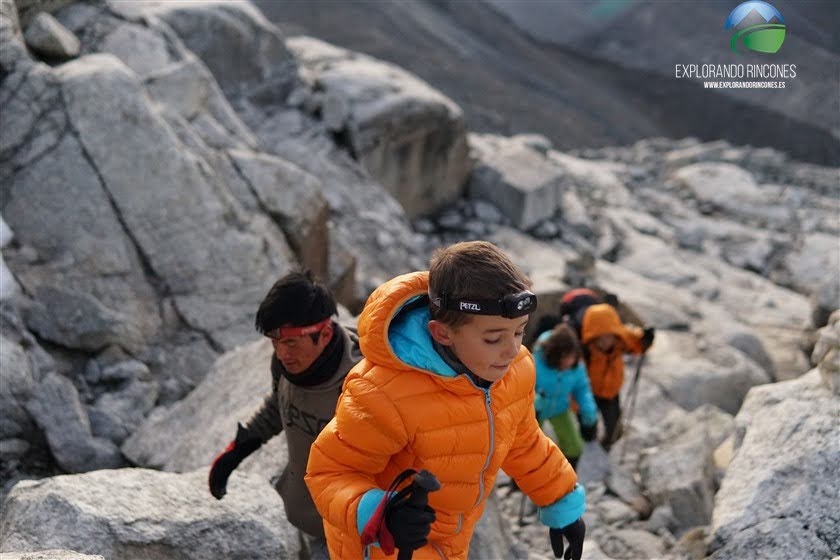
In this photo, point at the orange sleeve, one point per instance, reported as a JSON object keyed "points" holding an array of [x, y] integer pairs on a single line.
{"points": [[537, 464], [632, 337]]}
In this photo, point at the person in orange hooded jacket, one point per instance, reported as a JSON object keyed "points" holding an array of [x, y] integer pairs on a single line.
{"points": [[445, 386], [605, 340]]}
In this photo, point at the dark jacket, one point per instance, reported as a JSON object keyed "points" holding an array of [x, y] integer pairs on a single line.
{"points": [[302, 412]]}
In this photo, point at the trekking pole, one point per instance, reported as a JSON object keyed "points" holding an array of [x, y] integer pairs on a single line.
{"points": [[424, 482], [522, 503], [631, 406]]}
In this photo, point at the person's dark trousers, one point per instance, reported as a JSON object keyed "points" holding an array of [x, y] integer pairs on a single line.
{"points": [[611, 413]]}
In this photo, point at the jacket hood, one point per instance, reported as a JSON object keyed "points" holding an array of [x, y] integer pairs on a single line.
{"points": [[397, 337], [394, 331], [602, 318]]}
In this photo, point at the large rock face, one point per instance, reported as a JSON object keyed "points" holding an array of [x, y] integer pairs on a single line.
{"points": [[515, 177], [191, 433], [407, 135], [53, 554], [232, 38], [680, 472], [779, 495], [619, 33], [134, 514]]}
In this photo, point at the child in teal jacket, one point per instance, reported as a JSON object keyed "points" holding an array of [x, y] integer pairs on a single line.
{"points": [[561, 372]]}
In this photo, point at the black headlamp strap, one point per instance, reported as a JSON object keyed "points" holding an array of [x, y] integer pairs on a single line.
{"points": [[511, 306]]}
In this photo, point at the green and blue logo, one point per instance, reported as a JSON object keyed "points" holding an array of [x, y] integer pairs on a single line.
{"points": [[757, 26]]}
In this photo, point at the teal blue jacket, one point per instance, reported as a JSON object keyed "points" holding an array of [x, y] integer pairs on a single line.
{"points": [[554, 388]]}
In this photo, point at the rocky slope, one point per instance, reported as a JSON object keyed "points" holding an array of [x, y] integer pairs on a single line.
{"points": [[154, 183], [597, 74]]}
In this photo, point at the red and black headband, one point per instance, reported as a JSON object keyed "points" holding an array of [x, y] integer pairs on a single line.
{"points": [[286, 332]]}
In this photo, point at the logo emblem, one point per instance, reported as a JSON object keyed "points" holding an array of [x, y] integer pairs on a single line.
{"points": [[757, 26], [467, 306], [523, 304]]}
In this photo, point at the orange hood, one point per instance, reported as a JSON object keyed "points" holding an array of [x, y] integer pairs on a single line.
{"points": [[600, 319]]}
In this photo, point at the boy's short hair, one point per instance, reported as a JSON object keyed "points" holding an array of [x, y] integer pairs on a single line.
{"points": [[295, 300], [471, 270], [560, 343]]}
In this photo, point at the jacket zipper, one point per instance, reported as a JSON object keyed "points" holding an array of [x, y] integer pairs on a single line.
{"points": [[487, 402]]}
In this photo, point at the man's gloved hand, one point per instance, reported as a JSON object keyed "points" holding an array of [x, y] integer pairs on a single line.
{"points": [[647, 338], [574, 533], [589, 431], [409, 524], [242, 446]]}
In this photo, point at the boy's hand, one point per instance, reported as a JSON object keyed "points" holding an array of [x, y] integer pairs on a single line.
{"points": [[647, 338], [409, 524], [229, 459], [589, 431], [574, 533]]}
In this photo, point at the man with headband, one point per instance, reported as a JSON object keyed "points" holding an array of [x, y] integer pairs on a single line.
{"points": [[312, 355]]}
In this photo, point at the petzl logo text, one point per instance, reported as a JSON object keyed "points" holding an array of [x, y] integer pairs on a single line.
{"points": [[467, 306], [756, 26]]}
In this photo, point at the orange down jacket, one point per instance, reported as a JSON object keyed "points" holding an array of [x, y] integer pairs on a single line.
{"points": [[606, 370], [404, 407]]}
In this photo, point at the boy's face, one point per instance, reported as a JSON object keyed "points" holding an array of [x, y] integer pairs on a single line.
{"points": [[486, 344], [605, 343]]}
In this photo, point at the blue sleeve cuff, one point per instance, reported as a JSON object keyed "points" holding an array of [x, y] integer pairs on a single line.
{"points": [[566, 510], [367, 506]]}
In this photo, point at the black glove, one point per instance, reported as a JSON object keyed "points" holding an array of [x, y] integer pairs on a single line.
{"points": [[589, 431], [236, 451], [409, 524], [574, 533], [647, 338]]}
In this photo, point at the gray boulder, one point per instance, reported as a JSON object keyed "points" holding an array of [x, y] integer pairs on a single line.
{"points": [[188, 88], [514, 177], [193, 234], [116, 414], [8, 285], [30, 9], [491, 538], [56, 408], [711, 373], [293, 198], [630, 544], [816, 264], [189, 434], [239, 46], [134, 514], [680, 472], [53, 554], [365, 217], [89, 287], [19, 383], [721, 294], [779, 495], [46, 36], [141, 48], [408, 136], [78, 320], [596, 181], [6, 233], [826, 354]]}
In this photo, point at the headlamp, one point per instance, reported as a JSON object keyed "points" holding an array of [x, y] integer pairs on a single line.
{"points": [[511, 306]]}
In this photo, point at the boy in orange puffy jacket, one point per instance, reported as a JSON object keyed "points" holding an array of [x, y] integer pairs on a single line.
{"points": [[605, 340], [445, 386]]}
